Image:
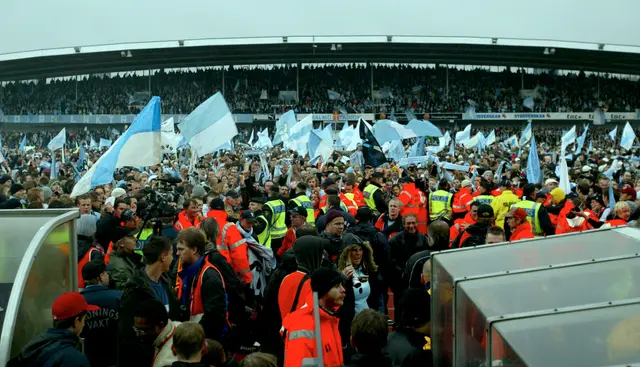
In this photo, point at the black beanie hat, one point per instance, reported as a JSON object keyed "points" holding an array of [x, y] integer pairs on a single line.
{"points": [[323, 279]]}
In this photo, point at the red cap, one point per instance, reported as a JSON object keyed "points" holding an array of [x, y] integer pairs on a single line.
{"points": [[69, 305], [629, 191], [517, 213]]}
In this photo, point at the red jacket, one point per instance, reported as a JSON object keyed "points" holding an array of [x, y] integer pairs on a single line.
{"points": [[462, 200], [300, 341], [521, 232], [183, 221], [459, 226], [287, 242], [561, 223], [616, 222], [232, 246]]}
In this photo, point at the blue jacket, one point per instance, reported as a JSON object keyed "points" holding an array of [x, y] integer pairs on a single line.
{"points": [[54, 348], [101, 327]]}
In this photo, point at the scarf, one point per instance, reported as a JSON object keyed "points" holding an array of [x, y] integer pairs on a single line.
{"points": [[247, 235], [187, 274]]}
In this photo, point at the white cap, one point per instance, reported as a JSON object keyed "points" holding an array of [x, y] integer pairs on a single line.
{"points": [[152, 177], [586, 168], [118, 192], [471, 156], [550, 181], [517, 159], [465, 183], [605, 159]]}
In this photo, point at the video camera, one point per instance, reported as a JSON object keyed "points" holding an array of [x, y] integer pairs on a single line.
{"points": [[158, 200]]}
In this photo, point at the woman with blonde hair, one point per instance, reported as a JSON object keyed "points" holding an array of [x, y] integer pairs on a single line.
{"points": [[622, 214], [361, 285]]}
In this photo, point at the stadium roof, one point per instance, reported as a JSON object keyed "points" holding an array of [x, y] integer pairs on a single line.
{"points": [[455, 54]]}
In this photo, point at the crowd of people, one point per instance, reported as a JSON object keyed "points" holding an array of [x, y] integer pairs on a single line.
{"points": [[220, 265], [274, 89]]}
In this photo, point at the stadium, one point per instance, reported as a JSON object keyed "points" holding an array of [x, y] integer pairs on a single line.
{"points": [[549, 69]]}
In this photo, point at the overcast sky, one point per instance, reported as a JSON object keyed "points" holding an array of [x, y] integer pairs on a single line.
{"points": [[29, 25]]}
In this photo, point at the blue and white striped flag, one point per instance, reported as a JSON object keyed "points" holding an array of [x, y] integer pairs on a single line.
{"points": [[333, 95], [628, 137], [59, 140], [209, 126], [140, 145]]}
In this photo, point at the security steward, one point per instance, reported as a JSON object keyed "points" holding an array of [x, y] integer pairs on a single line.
{"points": [[484, 191], [502, 204], [191, 216], [201, 289], [440, 203], [275, 212], [373, 194], [260, 225], [301, 199], [537, 214]]}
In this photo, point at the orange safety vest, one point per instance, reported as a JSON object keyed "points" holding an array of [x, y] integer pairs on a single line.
{"points": [[358, 197], [351, 205], [521, 232], [107, 256], [455, 230], [415, 202], [616, 222], [197, 307], [85, 259], [183, 221], [380, 226], [232, 246], [461, 201]]}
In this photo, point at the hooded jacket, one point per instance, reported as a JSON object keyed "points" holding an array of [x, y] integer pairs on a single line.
{"points": [[379, 245], [474, 235], [308, 251], [54, 348]]}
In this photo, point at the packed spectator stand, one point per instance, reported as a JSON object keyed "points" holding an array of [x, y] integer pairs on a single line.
{"points": [[360, 88]]}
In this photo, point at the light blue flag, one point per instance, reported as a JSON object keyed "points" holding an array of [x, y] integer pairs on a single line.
{"points": [[613, 133], [209, 126], [424, 128], [104, 143], [410, 115], [283, 125], [319, 148], [533, 163], [333, 95], [463, 135], [0, 142], [590, 147], [491, 138], [23, 143], [455, 167], [529, 103], [388, 130], [396, 151], [612, 199], [140, 145], [526, 135], [628, 137], [581, 140], [420, 147], [59, 140]]}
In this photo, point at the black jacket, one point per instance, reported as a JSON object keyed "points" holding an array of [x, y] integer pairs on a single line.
{"points": [[390, 229], [378, 196], [405, 348], [130, 351], [233, 286], [403, 245], [84, 245], [369, 360], [413, 270], [108, 230], [54, 348], [101, 326], [477, 235]]}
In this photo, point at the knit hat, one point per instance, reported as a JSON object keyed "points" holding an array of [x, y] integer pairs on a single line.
{"points": [[118, 192], [47, 193], [331, 215], [465, 183], [557, 194], [86, 225], [323, 279], [199, 191]]}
